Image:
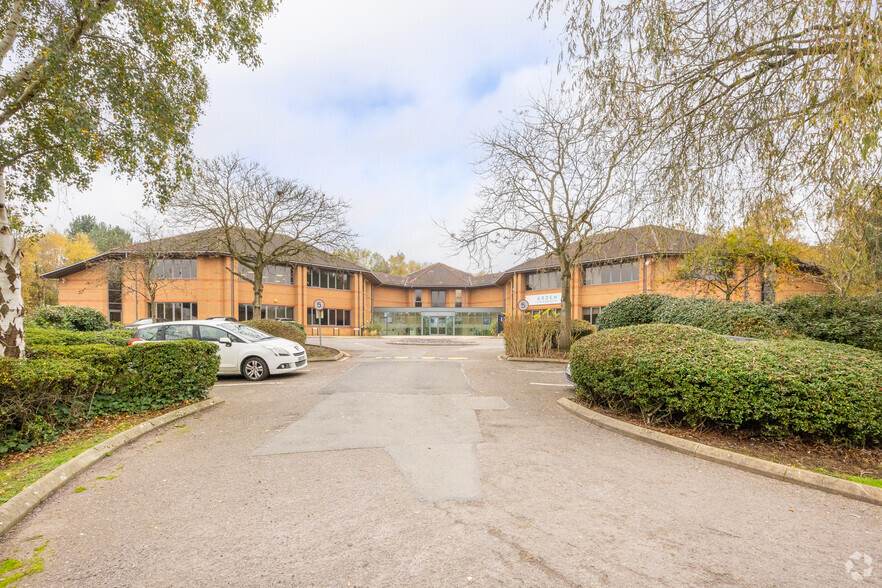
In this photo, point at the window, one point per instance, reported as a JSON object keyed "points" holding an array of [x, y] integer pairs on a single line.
{"points": [[590, 313], [617, 273], [457, 298], [334, 280], [267, 311], [439, 297], [179, 332], [213, 334], [149, 333], [418, 298], [543, 281], [176, 311], [174, 269], [114, 297], [332, 318], [272, 274]]}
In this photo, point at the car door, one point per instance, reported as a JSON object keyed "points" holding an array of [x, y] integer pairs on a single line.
{"points": [[229, 353]]}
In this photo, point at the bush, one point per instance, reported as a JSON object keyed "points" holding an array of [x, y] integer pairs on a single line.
{"points": [[70, 318], [684, 375], [853, 321], [740, 319], [631, 310], [285, 330], [43, 396], [580, 328], [35, 336], [537, 336]]}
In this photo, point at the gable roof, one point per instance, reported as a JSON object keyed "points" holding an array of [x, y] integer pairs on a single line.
{"points": [[437, 275]]}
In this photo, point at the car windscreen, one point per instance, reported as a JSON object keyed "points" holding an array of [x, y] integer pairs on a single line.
{"points": [[149, 334], [247, 333]]}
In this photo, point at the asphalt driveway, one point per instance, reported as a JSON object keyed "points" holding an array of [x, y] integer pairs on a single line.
{"points": [[429, 465]]}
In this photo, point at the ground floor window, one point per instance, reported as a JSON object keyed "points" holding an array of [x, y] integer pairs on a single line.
{"points": [[435, 323], [332, 318], [267, 311], [590, 313], [176, 311], [545, 312]]}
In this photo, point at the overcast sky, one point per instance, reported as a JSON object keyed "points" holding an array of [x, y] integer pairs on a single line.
{"points": [[377, 102]]}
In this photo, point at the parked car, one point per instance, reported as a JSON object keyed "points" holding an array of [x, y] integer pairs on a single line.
{"points": [[222, 319], [142, 322], [569, 375], [242, 349]]}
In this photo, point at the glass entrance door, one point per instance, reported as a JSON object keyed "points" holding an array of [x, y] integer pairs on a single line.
{"points": [[438, 325]]}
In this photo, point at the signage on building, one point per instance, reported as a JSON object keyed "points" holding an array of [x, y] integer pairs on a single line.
{"points": [[544, 299], [523, 305]]}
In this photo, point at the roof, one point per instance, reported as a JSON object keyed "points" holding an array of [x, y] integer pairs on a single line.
{"points": [[623, 244], [437, 275], [207, 242]]}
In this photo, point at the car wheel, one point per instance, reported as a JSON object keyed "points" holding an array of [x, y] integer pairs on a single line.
{"points": [[254, 369]]}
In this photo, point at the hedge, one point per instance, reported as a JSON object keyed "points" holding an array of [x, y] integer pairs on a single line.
{"points": [[285, 330], [44, 396], [71, 318], [684, 375], [740, 319], [35, 336], [855, 321], [631, 310]]}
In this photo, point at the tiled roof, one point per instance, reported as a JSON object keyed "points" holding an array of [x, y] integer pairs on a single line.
{"points": [[437, 275]]}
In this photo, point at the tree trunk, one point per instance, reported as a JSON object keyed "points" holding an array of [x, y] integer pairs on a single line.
{"points": [[258, 294], [11, 300], [564, 340]]}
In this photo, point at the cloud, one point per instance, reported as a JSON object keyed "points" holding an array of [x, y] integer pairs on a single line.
{"points": [[374, 102]]}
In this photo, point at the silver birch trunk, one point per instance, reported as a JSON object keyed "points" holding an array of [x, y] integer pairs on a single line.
{"points": [[11, 299]]}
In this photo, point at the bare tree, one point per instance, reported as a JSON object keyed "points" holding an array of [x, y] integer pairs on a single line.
{"points": [[554, 175], [260, 219]]}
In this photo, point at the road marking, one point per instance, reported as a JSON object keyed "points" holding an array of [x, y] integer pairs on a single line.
{"points": [[542, 371], [459, 358], [401, 357], [544, 384]]}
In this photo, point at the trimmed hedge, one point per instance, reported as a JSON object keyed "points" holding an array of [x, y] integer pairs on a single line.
{"points": [[739, 319], [35, 336], [285, 330], [854, 321], [70, 318], [43, 396], [631, 310], [684, 375], [580, 328]]}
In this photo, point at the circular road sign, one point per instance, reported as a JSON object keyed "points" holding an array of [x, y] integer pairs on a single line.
{"points": [[523, 305], [318, 304]]}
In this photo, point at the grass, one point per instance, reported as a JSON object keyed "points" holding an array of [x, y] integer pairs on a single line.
{"points": [[314, 351], [859, 479], [20, 470]]}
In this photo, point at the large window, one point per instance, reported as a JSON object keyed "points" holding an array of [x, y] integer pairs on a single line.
{"points": [[618, 273], [175, 269], [334, 280], [457, 298], [267, 311], [176, 311], [114, 296], [272, 274], [590, 313], [418, 298], [439, 297], [332, 318], [543, 281]]}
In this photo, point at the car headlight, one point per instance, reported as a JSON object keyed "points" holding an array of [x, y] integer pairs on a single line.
{"points": [[278, 351]]}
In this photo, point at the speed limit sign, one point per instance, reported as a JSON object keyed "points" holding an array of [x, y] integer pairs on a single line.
{"points": [[523, 305], [318, 304]]}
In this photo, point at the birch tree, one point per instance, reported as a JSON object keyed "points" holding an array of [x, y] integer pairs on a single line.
{"points": [[555, 174], [92, 83]]}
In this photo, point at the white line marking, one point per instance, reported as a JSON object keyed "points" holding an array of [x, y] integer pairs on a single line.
{"points": [[544, 384]]}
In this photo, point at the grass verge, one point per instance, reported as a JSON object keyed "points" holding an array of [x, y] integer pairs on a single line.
{"points": [[314, 351]]}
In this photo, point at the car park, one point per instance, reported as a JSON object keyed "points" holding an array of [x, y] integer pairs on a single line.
{"points": [[243, 350]]}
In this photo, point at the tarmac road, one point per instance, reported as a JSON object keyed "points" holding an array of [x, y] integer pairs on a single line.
{"points": [[424, 466]]}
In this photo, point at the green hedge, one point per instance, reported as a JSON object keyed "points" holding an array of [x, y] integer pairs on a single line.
{"points": [[35, 336], [740, 319], [71, 318], [580, 328], [683, 375], [631, 310], [285, 330], [854, 321], [43, 396]]}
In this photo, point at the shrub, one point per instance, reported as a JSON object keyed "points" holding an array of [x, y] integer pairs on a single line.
{"points": [[71, 318], [684, 375], [536, 336], [740, 319], [35, 336], [43, 396], [853, 321], [631, 310], [285, 330], [580, 328]]}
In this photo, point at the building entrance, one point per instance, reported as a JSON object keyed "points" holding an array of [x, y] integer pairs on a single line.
{"points": [[437, 324]]}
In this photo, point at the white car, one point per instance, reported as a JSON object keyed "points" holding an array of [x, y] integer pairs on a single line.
{"points": [[242, 349]]}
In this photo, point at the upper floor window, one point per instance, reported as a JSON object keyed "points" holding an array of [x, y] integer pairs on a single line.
{"points": [[617, 273], [543, 281], [439, 297], [322, 278], [418, 298], [457, 298], [174, 269], [272, 274]]}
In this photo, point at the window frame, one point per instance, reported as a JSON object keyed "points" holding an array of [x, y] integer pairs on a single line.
{"points": [[611, 273]]}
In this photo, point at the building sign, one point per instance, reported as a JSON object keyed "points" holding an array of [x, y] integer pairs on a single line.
{"points": [[543, 299]]}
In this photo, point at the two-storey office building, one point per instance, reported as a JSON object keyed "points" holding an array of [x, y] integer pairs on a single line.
{"points": [[197, 280]]}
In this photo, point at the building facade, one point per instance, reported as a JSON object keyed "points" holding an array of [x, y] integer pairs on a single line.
{"points": [[194, 281]]}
